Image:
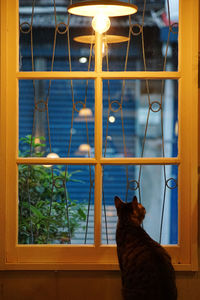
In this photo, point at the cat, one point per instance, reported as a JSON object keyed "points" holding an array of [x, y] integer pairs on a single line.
{"points": [[146, 268]]}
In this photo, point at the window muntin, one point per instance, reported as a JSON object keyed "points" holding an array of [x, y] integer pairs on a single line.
{"points": [[187, 161], [57, 127]]}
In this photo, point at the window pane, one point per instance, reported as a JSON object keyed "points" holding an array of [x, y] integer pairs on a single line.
{"points": [[47, 43], [153, 39], [47, 38], [155, 187], [52, 210], [56, 117], [140, 118]]}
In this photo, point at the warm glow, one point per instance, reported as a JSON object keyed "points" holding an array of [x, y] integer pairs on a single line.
{"points": [[37, 140], [101, 23], [101, 11], [51, 155], [107, 39], [104, 45], [107, 8], [85, 112], [84, 148]]}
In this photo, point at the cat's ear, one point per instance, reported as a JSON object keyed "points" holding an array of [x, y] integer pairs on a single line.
{"points": [[134, 202], [118, 202]]}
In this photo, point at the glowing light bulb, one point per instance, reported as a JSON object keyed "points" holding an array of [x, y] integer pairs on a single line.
{"points": [[85, 112], [51, 155], [101, 23]]}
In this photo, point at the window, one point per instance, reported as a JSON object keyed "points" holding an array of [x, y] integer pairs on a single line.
{"points": [[130, 142]]}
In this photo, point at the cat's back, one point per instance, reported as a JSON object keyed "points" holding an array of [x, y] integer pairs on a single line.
{"points": [[146, 267]]}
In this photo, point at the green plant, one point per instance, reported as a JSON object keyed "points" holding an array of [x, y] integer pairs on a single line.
{"points": [[46, 212]]}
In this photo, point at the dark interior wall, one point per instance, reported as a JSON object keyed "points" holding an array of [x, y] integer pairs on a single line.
{"points": [[70, 285]]}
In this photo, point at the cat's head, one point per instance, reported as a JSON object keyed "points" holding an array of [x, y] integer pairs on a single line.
{"points": [[130, 212]]}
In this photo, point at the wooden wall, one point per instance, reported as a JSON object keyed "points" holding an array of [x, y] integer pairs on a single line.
{"points": [[73, 285]]}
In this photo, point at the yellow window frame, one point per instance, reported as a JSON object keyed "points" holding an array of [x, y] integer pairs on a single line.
{"points": [[97, 256]]}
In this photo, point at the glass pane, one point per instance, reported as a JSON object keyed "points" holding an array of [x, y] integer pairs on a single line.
{"points": [[48, 38], [140, 118], [56, 116], [155, 187], [51, 208], [153, 38]]}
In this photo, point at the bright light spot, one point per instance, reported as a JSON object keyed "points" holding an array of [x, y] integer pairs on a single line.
{"points": [[103, 49], [112, 119], [37, 140], [51, 155], [84, 148], [109, 138], [85, 112], [101, 23], [83, 60]]}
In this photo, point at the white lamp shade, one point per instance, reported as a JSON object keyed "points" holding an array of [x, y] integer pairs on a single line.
{"points": [[108, 8]]}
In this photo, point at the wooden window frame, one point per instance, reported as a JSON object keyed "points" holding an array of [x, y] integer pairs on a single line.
{"points": [[97, 256]]}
